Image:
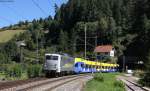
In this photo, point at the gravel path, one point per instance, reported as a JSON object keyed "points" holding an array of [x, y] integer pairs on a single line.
{"points": [[40, 84], [76, 85], [66, 83], [70, 84]]}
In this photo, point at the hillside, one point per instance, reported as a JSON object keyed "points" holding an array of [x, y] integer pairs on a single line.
{"points": [[125, 24], [8, 34]]}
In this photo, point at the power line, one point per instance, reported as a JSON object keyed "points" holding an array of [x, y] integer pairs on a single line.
{"points": [[5, 19], [37, 5], [15, 12]]}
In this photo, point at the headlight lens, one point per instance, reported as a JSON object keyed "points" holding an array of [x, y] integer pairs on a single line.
{"points": [[45, 65]]}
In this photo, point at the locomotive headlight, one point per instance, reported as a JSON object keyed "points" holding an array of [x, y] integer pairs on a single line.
{"points": [[45, 65]]}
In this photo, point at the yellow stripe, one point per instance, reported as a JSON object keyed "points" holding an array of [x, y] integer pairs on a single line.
{"points": [[95, 63]]}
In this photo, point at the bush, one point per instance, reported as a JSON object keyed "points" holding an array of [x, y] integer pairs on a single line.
{"points": [[119, 84], [99, 77], [138, 73], [34, 71], [145, 80], [14, 70]]}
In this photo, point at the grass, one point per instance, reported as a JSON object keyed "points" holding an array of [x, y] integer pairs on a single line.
{"points": [[2, 75], [23, 77], [6, 35], [107, 82]]}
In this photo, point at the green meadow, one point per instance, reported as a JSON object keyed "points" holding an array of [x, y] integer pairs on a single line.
{"points": [[8, 34], [104, 82]]}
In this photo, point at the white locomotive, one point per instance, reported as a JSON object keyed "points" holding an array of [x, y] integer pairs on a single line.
{"points": [[56, 64]]}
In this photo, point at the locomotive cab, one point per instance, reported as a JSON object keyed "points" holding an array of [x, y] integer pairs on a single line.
{"points": [[58, 65], [52, 63]]}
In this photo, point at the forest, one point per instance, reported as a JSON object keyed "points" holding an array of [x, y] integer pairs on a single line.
{"points": [[125, 24]]}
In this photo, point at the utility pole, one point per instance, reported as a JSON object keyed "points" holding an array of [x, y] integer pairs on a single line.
{"points": [[21, 56], [85, 28], [123, 63], [74, 46], [21, 44], [96, 52], [37, 47], [96, 46]]}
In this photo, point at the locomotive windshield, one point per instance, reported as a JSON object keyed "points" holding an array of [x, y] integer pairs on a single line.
{"points": [[50, 57]]}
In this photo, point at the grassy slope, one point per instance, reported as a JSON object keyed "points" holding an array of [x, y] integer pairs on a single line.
{"points": [[107, 85], [8, 34]]}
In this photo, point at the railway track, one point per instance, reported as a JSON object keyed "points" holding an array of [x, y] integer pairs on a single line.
{"points": [[131, 86], [11, 84], [41, 85]]}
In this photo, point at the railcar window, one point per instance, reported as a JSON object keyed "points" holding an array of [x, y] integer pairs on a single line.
{"points": [[82, 65], [86, 66], [76, 65]]}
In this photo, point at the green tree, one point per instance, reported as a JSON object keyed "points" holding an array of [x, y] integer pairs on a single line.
{"points": [[103, 24], [73, 42], [63, 41], [2, 58], [111, 33]]}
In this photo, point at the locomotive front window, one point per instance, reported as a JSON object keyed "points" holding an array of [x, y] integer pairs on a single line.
{"points": [[51, 57], [48, 57], [54, 57]]}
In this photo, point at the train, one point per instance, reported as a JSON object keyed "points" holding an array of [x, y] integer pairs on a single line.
{"points": [[62, 64]]}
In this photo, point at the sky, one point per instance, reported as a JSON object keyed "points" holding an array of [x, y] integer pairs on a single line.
{"points": [[13, 11]]}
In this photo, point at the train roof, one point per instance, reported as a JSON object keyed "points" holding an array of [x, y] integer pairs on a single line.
{"points": [[95, 63], [51, 54], [58, 54]]}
